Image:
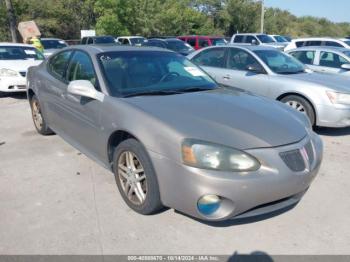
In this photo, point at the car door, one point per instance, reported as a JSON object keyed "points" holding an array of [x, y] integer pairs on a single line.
{"points": [[213, 62], [331, 62], [236, 73], [82, 118], [53, 89]]}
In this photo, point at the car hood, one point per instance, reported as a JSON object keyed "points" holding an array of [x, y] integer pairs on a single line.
{"points": [[226, 117], [332, 81], [19, 65]]}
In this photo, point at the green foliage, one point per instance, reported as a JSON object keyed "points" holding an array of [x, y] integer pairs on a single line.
{"points": [[65, 18]]}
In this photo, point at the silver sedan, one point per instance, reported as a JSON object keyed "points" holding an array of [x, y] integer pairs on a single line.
{"points": [[332, 60], [268, 72], [172, 136]]}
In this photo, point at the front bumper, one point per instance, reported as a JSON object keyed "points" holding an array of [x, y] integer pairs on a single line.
{"points": [[13, 84], [333, 116], [242, 194]]}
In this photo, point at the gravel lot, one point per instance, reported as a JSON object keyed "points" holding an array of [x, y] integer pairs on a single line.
{"points": [[54, 200]]}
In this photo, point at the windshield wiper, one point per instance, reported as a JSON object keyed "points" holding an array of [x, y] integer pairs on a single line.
{"points": [[193, 89], [154, 93]]}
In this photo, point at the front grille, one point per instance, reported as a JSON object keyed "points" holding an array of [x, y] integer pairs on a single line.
{"points": [[23, 73], [294, 160]]}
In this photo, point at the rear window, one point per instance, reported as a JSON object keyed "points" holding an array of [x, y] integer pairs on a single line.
{"points": [[331, 43], [53, 44], [19, 53], [104, 40]]}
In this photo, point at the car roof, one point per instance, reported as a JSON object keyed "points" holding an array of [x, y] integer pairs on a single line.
{"points": [[251, 47], [321, 48], [317, 38], [15, 44], [250, 34], [201, 36], [97, 49], [130, 37]]}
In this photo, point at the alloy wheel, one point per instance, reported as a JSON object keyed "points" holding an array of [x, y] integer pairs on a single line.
{"points": [[37, 117], [297, 106], [132, 178]]}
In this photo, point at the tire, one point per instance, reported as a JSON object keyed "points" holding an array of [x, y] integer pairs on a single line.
{"points": [[301, 105], [127, 175], [38, 119]]}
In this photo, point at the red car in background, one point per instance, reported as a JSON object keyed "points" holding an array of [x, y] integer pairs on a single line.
{"points": [[198, 42]]}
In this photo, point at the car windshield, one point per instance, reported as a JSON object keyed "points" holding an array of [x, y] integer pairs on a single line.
{"points": [[178, 46], [347, 42], [137, 40], [53, 44], [218, 41], [265, 39], [104, 40], [280, 62], [280, 39], [19, 53], [130, 73], [347, 53]]}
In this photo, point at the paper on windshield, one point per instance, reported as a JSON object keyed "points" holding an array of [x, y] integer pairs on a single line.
{"points": [[194, 71], [29, 52]]}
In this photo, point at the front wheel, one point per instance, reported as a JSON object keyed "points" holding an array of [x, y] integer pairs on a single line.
{"points": [[136, 178], [301, 105], [38, 118]]}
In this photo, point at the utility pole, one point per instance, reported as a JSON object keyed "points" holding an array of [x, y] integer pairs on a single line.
{"points": [[12, 19], [262, 16]]}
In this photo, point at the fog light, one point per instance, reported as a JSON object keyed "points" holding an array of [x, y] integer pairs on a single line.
{"points": [[208, 204]]}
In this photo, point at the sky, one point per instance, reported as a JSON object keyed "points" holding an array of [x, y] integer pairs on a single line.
{"points": [[334, 10]]}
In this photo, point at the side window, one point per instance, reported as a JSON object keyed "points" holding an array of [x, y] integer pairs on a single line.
{"points": [[238, 39], [249, 39], [83, 41], [214, 57], [191, 41], [331, 43], [313, 43], [306, 57], [81, 68], [125, 41], [90, 41], [120, 40], [240, 60], [57, 65], [330, 59], [299, 43], [203, 42]]}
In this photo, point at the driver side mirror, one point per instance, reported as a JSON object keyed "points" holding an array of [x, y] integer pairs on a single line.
{"points": [[84, 88], [257, 69], [345, 67]]}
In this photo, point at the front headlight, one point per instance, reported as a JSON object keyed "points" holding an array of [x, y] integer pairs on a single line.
{"points": [[7, 72], [207, 155], [339, 98]]}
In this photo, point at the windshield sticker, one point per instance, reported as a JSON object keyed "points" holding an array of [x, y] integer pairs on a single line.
{"points": [[62, 42], [29, 52], [194, 71]]}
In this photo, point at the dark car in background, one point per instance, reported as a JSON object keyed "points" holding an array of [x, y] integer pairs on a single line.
{"points": [[100, 40], [173, 44], [198, 42], [51, 45]]}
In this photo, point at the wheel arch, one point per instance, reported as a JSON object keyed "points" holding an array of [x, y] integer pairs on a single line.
{"points": [[30, 94], [302, 96]]}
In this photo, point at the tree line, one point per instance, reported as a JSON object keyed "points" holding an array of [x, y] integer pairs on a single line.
{"points": [[65, 18]]}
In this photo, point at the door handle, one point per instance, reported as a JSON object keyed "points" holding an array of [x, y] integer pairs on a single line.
{"points": [[227, 77]]}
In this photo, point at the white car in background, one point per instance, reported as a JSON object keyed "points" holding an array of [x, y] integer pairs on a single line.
{"points": [[15, 59], [131, 40], [318, 41], [323, 59], [256, 39]]}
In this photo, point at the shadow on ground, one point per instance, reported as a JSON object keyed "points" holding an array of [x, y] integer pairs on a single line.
{"points": [[21, 95], [327, 131], [256, 256]]}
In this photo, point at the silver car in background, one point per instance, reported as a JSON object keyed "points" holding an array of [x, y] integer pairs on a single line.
{"points": [[257, 39], [171, 135], [268, 72], [332, 60], [52, 45], [318, 41]]}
